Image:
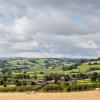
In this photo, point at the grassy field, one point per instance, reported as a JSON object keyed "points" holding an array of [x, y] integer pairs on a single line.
{"points": [[48, 65], [87, 95], [29, 71]]}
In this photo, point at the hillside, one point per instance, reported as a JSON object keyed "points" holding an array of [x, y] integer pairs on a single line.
{"points": [[49, 73], [63, 65], [39, 64]]}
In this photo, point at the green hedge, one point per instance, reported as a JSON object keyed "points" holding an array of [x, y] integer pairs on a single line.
{"points": [[68, 88], [82, 87], [51, 88], [20, 88]]}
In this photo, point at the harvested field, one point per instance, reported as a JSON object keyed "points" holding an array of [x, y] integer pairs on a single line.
{"points": [[87, 95]]}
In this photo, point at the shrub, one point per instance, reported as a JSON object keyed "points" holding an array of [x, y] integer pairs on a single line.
{"points": [[19, 88], [82, 87], [52, 87]]}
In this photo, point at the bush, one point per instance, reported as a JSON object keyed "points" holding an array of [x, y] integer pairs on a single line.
{"points": [[52, 87], [20, 88], [82, 87], [94, 77]]}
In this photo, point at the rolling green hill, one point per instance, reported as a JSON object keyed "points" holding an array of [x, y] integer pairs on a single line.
{"points": [[29, 71], [49, 65]]}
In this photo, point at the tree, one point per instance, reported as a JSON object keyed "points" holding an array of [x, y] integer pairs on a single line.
{"points": [[18, 83], [4, 84], [4, 78], [89, 63], [94, 77], [32, 83], [56, 78], [35, 77], [47, 78]]}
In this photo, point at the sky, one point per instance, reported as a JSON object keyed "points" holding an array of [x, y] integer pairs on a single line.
{"points": [[50, 28]]}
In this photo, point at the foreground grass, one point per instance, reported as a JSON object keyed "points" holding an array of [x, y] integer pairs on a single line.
{"points": [[87, 95]]}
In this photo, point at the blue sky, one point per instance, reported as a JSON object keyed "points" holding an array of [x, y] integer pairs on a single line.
{"points": [[49, 28], [79, 20]]}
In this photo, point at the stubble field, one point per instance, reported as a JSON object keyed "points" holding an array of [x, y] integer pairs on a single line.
{"points": [[87, 95]]}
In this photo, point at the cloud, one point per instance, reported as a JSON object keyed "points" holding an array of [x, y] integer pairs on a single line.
{"points": [[88, 44], [53, 17], [50, 28], [28, 46]]}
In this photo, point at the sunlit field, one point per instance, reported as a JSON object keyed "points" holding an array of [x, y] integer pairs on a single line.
{"points": [[87, 95]]}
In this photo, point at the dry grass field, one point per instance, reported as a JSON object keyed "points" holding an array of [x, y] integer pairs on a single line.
{"points": [[89, 95]]}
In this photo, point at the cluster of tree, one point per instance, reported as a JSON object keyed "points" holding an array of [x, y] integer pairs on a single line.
{"points": [[65, 78], [93, 69], [80, 76], [3, 63], [95, 63], [73, 66], [82, 87], [20, 88], [95, 59], [55, 77], [68, 87], [23, 83], [3, 81], [32, 61], [22, 76], [52, 87], [95, 77]]}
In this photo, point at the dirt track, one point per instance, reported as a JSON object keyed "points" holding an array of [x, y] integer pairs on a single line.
{"points": [[90, 95]]}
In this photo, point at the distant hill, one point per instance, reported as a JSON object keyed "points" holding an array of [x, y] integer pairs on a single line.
{"points": [[50, 64], [32, 62]]}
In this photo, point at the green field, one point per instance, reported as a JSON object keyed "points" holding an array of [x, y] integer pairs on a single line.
{"points": [[30, 71]]}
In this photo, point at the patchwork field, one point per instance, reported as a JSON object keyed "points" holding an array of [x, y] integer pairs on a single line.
{"points": [[87, 95]]}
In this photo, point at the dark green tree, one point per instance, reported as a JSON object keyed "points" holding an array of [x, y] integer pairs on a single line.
{"points": [[94, 77]]}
